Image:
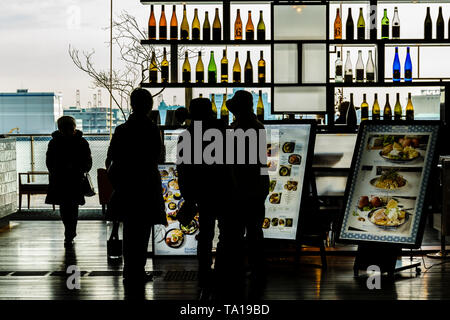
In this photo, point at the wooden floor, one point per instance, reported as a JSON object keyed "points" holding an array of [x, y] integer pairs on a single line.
{"points": [[33, 263]]}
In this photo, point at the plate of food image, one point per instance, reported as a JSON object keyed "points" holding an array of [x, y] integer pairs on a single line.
{"points": [[164, 173], [289, 222], [288, 147], [172, 215], [295, 159], [272, 165], [172, 206], [399, 153], [173, 184], [284, 171], [291, 185], [388, 217], [274, 222], [266, 223], [281, 222], [272, 185], [177, 196], [389, 180], [174, 238], [275, 198], [191, 228]]}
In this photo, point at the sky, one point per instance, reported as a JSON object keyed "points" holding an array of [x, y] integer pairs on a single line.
{"points": [[35, 36]]}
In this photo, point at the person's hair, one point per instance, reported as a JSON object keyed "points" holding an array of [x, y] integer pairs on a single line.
{"points": [[201, 109], [141, 101], [66, 124]]}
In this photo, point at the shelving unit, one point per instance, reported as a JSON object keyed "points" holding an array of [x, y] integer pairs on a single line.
{"points": [[328, 42]]}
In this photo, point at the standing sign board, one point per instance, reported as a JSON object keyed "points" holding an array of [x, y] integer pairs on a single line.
{"points": [[290, 150], [386, 192]]}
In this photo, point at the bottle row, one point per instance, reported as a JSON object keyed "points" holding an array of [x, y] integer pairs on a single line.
{"points": [[388, 115], [212, 72], [193, 33], [386, 31], [346, 74], [225, 114]]}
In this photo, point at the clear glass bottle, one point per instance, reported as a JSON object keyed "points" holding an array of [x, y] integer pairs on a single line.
{"points": [[359, 68], [395, 25], [338, 67], [348, 74], [370, 68]]}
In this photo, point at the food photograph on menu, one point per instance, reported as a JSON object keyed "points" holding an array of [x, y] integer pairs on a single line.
{"points": [[287, 151], [175, 239], [387, 191]]}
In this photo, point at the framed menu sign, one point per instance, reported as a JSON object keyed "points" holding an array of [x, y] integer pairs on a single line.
{"points": [[175, 239], [386, 191], [290, 147]]}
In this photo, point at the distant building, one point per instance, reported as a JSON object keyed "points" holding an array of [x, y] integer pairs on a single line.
{"points": [[163, 107], [96, 119], [29, 112]]}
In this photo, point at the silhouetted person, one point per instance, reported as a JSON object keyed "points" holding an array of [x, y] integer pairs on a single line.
{"points": [[252, 185], [68, 160], [137, 200], [203, 184]]}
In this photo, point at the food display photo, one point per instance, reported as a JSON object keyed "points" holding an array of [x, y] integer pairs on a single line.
{"points": [[175, 239], [386, 193], [287, 151]]}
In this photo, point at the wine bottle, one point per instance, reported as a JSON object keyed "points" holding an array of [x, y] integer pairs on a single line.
{"points": [[395, 25], [349, 26], [184, 32], [248, 70], [217, 27], [260, 108], [396, 67], [200, 95], [348, 75], [238, 26], [385, 26], [398, 108], [440, 24], [359, 68], [337, 26], [199, 69], [338, 69], [364, 109], [195, 26], [376, 109], [408, 66], [428, 26], [409, 109], [261, 69], [206, 28], [152, 25], [237, 69], [261, 28], [186, 69], [224, 67], [174, 24], [224, 113], [213, 105], [249, 28], [212, 69], [164, 68], [387, 112], [351, 118], [370, 68], [153, 69], [361, 28], [162, 25]]}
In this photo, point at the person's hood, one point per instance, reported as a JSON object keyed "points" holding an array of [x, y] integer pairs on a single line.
{"points": [[58, 134]]}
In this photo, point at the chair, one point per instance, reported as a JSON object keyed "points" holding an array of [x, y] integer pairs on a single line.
{"points": [[30, 187], [105, 188]]}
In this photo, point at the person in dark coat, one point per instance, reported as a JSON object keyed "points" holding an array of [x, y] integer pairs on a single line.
{"points": [[137, 200], [203, 184], [251, 180], [68, 159]]}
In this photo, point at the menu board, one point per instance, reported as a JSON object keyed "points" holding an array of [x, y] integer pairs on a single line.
{"points": [[175, 239], [386, 194], [287, 155]]}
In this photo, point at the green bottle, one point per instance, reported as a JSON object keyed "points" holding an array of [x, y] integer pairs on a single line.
{"points": [[361, 27], [398, 109], [385, 26], [212, 69]]}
